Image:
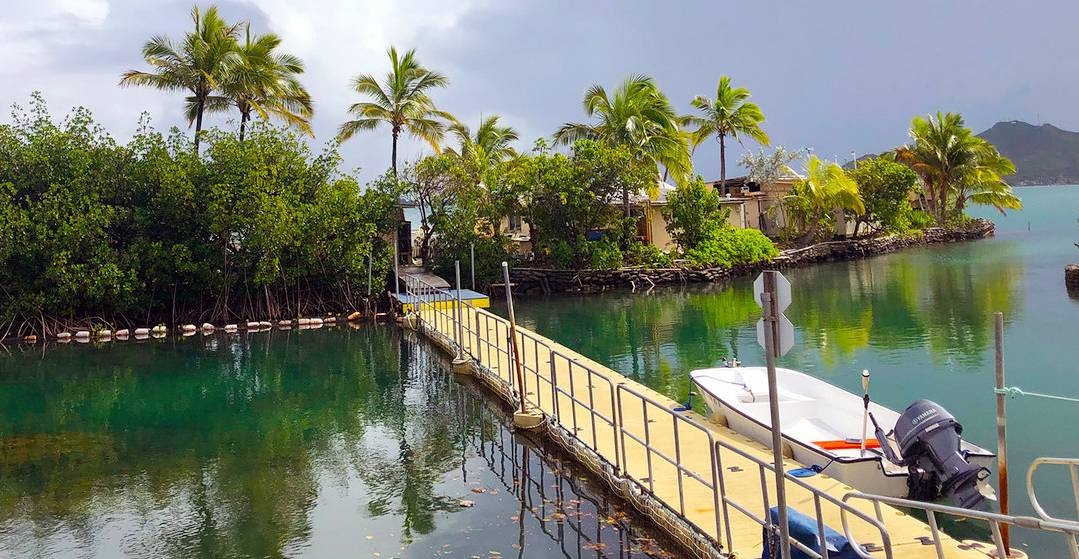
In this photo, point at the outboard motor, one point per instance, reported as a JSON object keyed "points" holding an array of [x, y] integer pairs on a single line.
{"points": [[929, 444]]}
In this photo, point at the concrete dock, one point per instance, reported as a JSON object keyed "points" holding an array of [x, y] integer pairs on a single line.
{"points": [[707, 486]]}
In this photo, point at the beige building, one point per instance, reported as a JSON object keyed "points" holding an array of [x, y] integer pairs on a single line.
{"points": [[748, 204]]}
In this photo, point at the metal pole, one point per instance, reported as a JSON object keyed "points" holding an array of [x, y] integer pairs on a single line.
{"points": [[472, 265], [1002, 439], [460, 322], [369, 275], [865, 407], [396, 274], [768, 303], [513, 335]]}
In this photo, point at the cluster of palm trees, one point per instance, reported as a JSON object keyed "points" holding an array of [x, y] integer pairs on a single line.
{"points": [[639, 115], [223, 67], [956, 167], [402, 101], [222, 71]]}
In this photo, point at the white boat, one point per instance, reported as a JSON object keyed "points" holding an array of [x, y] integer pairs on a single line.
{"points": [[820, 422]]}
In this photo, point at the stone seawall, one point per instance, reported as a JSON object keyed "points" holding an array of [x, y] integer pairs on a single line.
{"points": [[543, 280], [1071, 278]]}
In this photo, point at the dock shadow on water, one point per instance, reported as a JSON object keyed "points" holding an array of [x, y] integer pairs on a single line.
{"points": [[303, 444]]}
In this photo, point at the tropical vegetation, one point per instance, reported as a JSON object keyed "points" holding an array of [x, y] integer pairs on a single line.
{"points": [[402, 102], [151, 231], [886, 188], [266, 82], [218, 72], [639, 117], [815, 198], [956, 167], [731, 114], [257, 224]]}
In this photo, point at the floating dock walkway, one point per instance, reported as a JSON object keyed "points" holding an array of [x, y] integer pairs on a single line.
{"points": [[708, 487]]}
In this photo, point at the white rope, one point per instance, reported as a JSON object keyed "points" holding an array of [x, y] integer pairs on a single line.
{"points": [[1014, 391]]}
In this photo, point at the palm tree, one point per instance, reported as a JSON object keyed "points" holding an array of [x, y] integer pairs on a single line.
{"points": [[266, 82], [402, 102], [955, 166], [825, 188], [639, 116], [199, 65], [489, 145], [729, 114]]}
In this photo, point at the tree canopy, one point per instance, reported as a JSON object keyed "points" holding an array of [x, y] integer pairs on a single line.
{"points": [[402, 101], [956, 167]]}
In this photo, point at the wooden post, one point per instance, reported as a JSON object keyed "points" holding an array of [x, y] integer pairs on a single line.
{"points": [[513, 335], [1002, 439]]}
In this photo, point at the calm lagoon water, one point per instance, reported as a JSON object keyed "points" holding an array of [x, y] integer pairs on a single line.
{"points": [[920, 320], [339, 443]]}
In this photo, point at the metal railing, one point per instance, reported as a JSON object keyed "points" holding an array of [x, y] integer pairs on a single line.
{"points": [[1069, 529], [683, 474], [588, 407]]}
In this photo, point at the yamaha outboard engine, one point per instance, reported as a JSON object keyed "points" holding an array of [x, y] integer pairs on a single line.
{"points": [[929, 442]]}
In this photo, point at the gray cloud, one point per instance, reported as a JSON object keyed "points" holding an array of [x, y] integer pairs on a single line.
{"points": [[837, 77]]}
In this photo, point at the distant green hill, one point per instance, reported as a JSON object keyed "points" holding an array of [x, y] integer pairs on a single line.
{"points": [[1042, 154]]}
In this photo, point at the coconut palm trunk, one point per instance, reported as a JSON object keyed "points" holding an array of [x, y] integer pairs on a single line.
{"points": [[198, 124], [722, 165], [393, 155]]}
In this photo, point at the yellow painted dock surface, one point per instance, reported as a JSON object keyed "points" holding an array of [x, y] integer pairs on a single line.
{"points": [[614, 416]]}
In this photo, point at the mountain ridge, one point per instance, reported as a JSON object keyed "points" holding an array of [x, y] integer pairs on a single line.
{"points": [[1043, 154]]}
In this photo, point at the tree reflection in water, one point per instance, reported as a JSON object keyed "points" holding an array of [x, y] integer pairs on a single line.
{"points": [[290, 443], [937, 300]]}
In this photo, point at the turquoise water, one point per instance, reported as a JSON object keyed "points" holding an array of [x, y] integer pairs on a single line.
{"points": [[331, 443], [920, 320]]}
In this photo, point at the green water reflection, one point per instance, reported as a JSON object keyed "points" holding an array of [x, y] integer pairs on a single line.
{"points": [[920, 320], [314, 444]]}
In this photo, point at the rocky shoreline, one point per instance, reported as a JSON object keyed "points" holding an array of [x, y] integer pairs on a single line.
{"points": [[530, 281]]}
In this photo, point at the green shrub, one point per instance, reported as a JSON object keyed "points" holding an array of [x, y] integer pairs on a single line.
{"points": [[604, 255], [564, 254], [917, 219], [693, 213], [728, 246], [647, 255]]}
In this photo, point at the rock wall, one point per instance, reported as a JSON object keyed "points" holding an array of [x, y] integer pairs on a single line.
{"points": [[543, 280], [1071, 278]]}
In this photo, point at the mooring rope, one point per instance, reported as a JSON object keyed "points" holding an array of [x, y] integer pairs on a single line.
{"points": [[1014, 391]]}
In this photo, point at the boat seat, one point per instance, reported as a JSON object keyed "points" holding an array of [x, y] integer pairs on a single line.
{"points": [[761, 396]]}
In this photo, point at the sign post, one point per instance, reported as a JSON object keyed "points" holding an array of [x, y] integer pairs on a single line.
{"points": [[776, 334]]}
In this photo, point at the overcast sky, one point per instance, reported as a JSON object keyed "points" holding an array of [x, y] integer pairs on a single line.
{"points": [[835, 76]]}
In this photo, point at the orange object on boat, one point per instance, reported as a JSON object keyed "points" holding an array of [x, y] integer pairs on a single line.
{"points": [[847, 444]]}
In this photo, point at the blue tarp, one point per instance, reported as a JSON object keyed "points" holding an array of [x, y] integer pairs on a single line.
{"points": [[804, 529]]}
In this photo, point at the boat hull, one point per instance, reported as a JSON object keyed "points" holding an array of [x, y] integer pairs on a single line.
{"points": [[871, 474]]}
